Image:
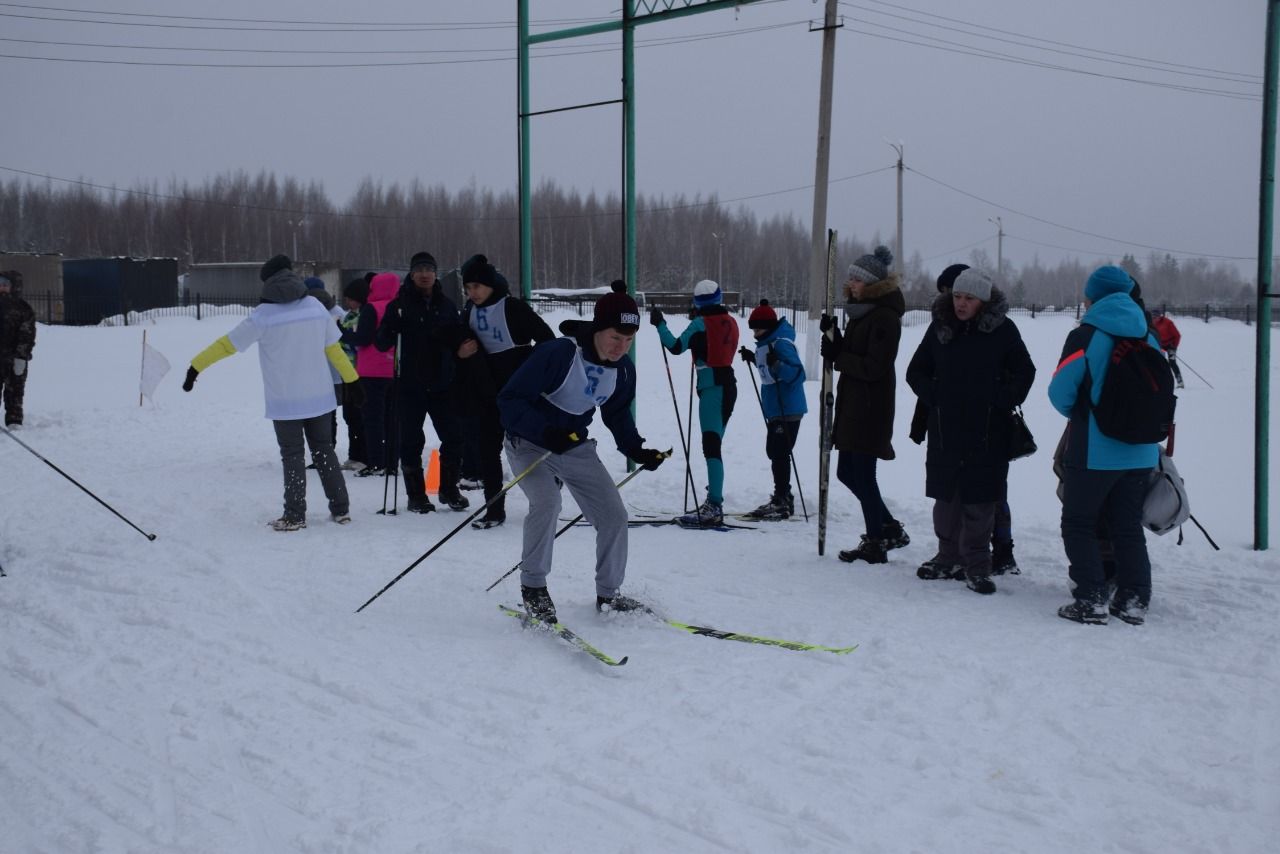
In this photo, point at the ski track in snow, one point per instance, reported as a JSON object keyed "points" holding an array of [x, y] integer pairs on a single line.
{"points": [[213, 691]]}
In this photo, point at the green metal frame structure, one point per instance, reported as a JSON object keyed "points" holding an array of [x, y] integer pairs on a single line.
{"points": [[1266, 203], [634, 13]]}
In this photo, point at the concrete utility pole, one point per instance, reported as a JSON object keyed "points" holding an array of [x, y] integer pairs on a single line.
{"points": [[999, 246], [899, 262], [818, 252]]}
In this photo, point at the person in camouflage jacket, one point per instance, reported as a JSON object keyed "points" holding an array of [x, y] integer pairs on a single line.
{"points": [[17, 339]]}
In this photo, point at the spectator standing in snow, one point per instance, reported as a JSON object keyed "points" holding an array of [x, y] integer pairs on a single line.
{"points": [[499, 332], [712, 337], [864, 355], [782, 400], [295, 336], [17, 340], [971, 369], [354, 297], [1170, 338], [377, 374], [547, 406], [1002, 560], [1104, 479], [421, 323]]}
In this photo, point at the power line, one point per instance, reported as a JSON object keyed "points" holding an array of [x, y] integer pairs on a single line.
{"points": [[1135, 62], [1071, 228], [1250, 77], [961, 248]]}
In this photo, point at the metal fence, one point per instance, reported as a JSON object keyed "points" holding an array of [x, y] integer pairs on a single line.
{"points": [[54, 309]]}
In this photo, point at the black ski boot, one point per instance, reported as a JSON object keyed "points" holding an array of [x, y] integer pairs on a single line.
{"points": [[619, 603], [1002, 562], [893, 535], [538, 604], [980, 584], [779, 506], [1089, 613], [870, 549], [935, 568]]}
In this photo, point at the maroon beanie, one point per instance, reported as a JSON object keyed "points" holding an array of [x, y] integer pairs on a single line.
{"points": [[617, 310]]}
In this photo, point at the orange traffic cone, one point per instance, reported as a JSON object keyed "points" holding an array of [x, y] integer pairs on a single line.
{"points": [[433, 473]]}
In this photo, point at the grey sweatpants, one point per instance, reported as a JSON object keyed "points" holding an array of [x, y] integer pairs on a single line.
{"points": [[318, 432], [964, 535], [592, 487]]}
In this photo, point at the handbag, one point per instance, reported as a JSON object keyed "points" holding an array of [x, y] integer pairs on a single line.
{"points": [[1021, 442]]}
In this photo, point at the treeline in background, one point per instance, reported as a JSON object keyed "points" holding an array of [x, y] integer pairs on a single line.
{"points": [[577, 238]]}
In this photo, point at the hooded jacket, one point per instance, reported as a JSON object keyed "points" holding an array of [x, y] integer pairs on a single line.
{"points": [[17, 322], [370, 361], [1077, 384], [970, 374], [865, 393], [427, 328]]}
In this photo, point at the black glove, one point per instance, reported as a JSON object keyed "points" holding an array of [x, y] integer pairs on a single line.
{"points": [[772, 358], [828, 322], [648, 458], [190, 381], [558, 440], [747, 355], [831, 346], [353, 394], [655, 317]]}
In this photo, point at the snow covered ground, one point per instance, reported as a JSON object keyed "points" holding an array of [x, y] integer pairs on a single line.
{"points": [[212, 691]]}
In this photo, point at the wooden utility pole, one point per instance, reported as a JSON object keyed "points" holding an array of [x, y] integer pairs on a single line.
{"points": [[899, 261], [818, 251]]}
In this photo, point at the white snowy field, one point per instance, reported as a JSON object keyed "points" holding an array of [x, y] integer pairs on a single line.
{"points": [[213, 691]]}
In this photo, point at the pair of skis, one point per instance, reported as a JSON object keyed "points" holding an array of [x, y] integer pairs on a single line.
{"points": [[574, 639]]}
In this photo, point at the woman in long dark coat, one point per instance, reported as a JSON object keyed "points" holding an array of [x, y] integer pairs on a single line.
{"points": [[863, 430], [970, 370]]}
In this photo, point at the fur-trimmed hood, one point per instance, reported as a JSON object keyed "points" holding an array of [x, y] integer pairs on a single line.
{"points": [[990, 316]]}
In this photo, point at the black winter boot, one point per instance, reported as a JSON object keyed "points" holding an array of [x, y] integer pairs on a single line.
{"points": [[870, 549], [935, 568], [493, 517], [893, 535], [449, 492], [415, 491], [1002, 562]]}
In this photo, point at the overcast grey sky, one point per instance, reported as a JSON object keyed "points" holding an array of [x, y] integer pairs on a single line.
{"points": [[727, 104]]}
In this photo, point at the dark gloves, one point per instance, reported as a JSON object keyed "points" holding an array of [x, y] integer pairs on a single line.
{"points": [[831, 346], [353, 394], [558, 440], [648, 458], [748, 356], [190, 381], [772, 358], [656, 318], [828, 322]]}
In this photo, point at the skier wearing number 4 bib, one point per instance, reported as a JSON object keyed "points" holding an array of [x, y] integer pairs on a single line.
{"points": [[498, 335], [712, 337]]}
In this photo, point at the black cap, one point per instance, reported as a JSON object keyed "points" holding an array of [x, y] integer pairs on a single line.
{"points": [[422, 259], [274, 265]]}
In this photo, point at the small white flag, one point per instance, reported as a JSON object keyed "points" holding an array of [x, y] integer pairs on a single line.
{"points": [[154, 367]]}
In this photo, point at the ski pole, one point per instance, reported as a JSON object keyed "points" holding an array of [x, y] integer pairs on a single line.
{"points": [[688, 468], [391, 458], [9, 433], [461, 525], [688, 442], [567, 526], [791, 454], [1183, 362]]}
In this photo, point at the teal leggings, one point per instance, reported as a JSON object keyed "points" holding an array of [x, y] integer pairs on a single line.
{"points": [[715, 405]]}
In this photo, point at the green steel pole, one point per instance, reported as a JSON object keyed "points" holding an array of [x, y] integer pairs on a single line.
{"points": [[526, 214], [629, 146], [1266, 203]]}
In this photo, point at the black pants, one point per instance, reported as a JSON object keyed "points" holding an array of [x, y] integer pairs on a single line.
{"points": [[14, 386], [415, 406], [964, 534], [778, 444], [858, 473], [1114, 500], [376, 414]]}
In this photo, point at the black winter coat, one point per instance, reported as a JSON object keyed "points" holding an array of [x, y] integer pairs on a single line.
{"points": [[482, 376], [868, 380], [17, 328], [427, 327], [970, 375]]}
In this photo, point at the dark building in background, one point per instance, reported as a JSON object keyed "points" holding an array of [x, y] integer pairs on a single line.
{"points": [[96, 288], [41, 281]]}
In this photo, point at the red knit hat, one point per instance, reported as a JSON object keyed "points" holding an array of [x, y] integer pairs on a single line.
{"points": [[763, 316], [617, 310]]}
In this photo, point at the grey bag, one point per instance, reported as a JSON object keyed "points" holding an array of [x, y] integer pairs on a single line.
{"points": [[1166, 506]]}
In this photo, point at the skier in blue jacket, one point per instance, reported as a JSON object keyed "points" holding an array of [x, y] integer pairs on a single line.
{"points": [[1105, 479], [782, 399], [547, 405]]}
